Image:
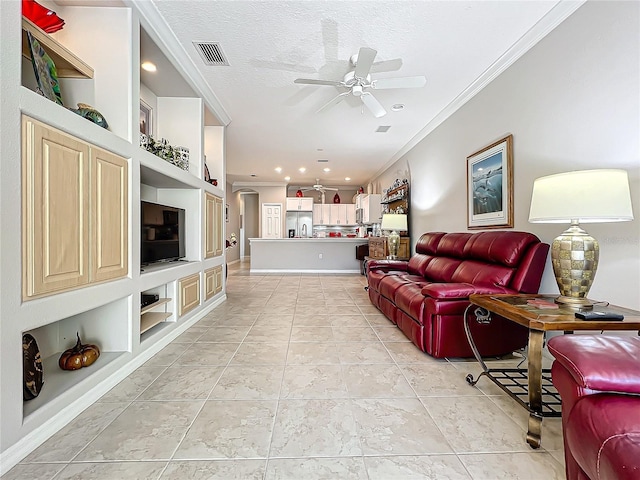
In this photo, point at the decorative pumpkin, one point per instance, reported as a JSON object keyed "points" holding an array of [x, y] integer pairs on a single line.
{"points": [[79, 356]]}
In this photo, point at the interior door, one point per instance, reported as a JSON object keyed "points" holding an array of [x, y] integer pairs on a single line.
{"points": [[271, 220]]}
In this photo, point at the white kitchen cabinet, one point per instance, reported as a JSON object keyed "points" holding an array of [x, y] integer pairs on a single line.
{"points": [[334, 214], [368, 208], [300, 204]]}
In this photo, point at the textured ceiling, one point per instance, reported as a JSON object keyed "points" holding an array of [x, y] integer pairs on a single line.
{"points": [[271, 43]]}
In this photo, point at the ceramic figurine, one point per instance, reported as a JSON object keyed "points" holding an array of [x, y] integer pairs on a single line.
{"points": [[91, 114]]}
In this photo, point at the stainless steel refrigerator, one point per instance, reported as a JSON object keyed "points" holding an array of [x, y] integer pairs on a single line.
{"points": [[299, 224]]}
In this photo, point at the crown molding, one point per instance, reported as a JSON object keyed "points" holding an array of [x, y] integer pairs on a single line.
{"points": [[541, 29]]}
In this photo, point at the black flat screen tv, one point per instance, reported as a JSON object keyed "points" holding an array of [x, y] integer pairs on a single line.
{"points": [[162, 233]]}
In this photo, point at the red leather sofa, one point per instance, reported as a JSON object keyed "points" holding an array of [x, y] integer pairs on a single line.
{"points": [[427, 295], [598, 378]]}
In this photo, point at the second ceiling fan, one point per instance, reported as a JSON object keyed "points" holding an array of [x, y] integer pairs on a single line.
{"points": [[358, 82]]}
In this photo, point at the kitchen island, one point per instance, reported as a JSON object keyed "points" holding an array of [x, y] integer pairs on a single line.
{"points": [[305, 255]]}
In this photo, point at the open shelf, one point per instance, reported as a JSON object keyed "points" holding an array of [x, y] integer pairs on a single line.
{"points": [[58, 381], [151, 319], [68, 65], [153, 305]]}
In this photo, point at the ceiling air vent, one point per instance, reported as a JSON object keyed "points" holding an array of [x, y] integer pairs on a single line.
{"points": [[383, 128], [211, 53], [322, 160]]}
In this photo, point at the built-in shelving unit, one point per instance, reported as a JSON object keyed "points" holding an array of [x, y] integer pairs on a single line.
{"points": [[105, 312], [149, 319], [67, 63]]}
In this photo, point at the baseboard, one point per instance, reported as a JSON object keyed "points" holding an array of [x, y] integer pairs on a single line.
{"points": [[27, 444], [298, 270]]}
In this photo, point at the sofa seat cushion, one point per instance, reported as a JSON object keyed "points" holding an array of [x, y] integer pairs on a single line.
{"points": [[410, 300], [600, 362], [389, 284], [604, 435], [444, 291]]}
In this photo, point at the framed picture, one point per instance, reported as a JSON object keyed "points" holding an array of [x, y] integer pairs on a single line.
{"points": [[490, 186], [44, 70], [226, 213], [146, 118]]}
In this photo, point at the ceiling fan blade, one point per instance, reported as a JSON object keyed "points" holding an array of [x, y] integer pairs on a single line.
{"points": [[365, 61], [333, 101], [373, 105], [387, 65], [311, 81], [329, 188], [400, 82]]}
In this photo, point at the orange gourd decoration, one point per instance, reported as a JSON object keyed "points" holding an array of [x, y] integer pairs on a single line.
{"points": [[79, 356]]}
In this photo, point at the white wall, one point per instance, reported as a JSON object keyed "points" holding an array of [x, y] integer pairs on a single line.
{"points": [[572, 103]]}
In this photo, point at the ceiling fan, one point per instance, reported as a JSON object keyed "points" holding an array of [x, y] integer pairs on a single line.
{"points": [[317, 187], [358, 82]]}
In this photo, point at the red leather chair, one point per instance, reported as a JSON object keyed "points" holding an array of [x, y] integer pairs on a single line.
{"points": [[598, 378]]}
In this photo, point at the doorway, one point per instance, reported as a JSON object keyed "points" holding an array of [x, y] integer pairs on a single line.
{"points": [[271, 220]]}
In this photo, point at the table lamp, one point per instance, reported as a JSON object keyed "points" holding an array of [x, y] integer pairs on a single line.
{"points": [[396, 222], [587, 196]]}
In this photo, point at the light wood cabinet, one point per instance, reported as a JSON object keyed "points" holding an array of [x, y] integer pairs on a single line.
{"points": [[189, 293], [74, 210], [213, 227], [378, 247], [212, 282], [109, 215]]}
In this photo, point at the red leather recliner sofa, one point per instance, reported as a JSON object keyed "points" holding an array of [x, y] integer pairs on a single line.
{"points": [[427, 295], [598, 378]]}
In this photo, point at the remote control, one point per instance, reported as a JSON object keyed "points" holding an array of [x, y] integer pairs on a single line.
{"points": [[599, 316]]}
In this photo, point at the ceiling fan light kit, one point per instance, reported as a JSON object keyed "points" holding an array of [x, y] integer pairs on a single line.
{"points": [[358, 81]]}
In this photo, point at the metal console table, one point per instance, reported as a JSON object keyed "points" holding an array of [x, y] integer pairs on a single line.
{"points": [[532, 387]]}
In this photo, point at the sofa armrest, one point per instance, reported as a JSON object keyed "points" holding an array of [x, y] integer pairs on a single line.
{"points": [[600, 362], [387, 265], [460, 290]]}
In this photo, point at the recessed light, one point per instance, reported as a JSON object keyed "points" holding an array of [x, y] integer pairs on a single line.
{"points": [[302, 169], [326, 169], [287, 178], [347, 179], [148, 66], [278, 169], [397, 107]]}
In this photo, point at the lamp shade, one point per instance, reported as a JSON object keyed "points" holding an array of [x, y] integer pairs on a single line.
{"points": [[394, 221], [586, 196]]}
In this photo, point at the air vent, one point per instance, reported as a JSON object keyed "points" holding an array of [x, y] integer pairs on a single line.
{"points": [[383, 128], [323, 161], [211, 53]]}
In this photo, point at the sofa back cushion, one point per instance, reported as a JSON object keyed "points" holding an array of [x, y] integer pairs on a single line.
{"points": [[452, 245], [504, 248], [482, 273], [426, 247]]}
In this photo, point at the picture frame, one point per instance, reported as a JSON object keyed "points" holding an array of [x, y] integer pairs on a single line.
{"points": [[146, 118], [45, 71], [490, 186]]}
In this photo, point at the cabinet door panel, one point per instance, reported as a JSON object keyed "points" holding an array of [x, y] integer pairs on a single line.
{"points": [[209, 283], [55, 210], [351, 214], [218, 227], [209, 212], [109, 215], [189, 289]]}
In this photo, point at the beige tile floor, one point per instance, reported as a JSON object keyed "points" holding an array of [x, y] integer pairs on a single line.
{"points": [[298, 377]]}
